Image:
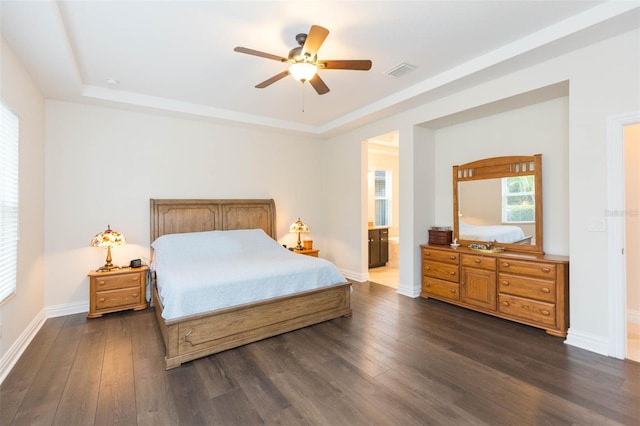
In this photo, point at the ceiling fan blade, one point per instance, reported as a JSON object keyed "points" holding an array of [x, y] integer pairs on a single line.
{"points": [[272, 80], [319, 85], [261, 54], [315, 38], [353, 64]]}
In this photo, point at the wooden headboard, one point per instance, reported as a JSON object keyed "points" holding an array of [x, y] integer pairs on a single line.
{"points": [[180, 215]]}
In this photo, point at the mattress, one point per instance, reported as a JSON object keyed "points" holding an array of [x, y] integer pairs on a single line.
{"points": [[205, 271], [499, 233]]}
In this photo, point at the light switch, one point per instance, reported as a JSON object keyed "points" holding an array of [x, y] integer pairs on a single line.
{"points": [[597, 225]]}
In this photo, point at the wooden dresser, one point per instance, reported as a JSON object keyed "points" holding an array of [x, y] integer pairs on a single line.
{"points": [[530, 289]]}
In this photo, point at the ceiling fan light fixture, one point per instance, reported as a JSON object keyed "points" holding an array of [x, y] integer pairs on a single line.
{"points": [[303, 71]]}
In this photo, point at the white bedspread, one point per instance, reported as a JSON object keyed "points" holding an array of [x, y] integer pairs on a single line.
{"points": [[204, 271], [499, 233]]}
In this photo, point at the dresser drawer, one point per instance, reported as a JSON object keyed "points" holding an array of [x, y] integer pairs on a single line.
{"points": [[478, 262], [532, 269], [113, 298], [435, 287], [527, 309], [443, 271], [110, 282], [527, 287], [440, 256]]}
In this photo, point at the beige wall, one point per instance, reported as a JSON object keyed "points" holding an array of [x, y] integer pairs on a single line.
{"points": [[541, 128], [632, 217], [104, 164], [603, 82], [26, 309]]}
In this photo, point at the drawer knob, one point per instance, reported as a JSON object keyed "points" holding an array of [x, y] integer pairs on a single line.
{"points": [[545, 312], [101, 282], [102, 299], [505, 303], [427, 253], [545, 290], [546, 270], [452, 272], [452, 257], [477, 260], [428, 268], [453, 291], [506, 265], [428, 285], [134, 295], [505, 283]]}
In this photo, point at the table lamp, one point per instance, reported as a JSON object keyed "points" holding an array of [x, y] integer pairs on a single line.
{"points": [[108, 239], [300, 227]]}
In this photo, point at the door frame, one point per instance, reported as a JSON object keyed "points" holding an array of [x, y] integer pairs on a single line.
{"points": [[616, 232]]}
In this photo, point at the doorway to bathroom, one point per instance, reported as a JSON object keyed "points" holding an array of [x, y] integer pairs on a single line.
{"points": [[383, 209]]}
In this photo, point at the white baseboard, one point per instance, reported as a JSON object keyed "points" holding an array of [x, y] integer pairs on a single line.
{"points": [[408, 290], [588, 341], [633, 316], [355, 276], [14, 353], [66, 309], [16, 350]]}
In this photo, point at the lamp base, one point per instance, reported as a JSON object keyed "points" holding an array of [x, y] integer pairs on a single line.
{"points": [[107, 268]]}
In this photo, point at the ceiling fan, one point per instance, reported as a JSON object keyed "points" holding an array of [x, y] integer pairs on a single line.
{"points": [[304, 62]]}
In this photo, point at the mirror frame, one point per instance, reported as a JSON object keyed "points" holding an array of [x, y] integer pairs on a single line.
{"points": [[500, 167]]}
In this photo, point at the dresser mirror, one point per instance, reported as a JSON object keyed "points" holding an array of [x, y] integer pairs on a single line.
{"points": [[497, 202]]}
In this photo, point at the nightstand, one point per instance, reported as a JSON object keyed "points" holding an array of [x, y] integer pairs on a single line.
{"points": [[117, 290], [308, 252]]}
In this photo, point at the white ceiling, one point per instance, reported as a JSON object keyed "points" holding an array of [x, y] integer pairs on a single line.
{"points": [[178, 56]]}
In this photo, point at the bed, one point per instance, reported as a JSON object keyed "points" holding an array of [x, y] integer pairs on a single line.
{"points": [[189, 335], [499, 233]]}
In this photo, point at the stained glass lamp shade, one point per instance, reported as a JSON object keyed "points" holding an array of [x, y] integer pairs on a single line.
{"points": [[301, 228], [108, 238]]}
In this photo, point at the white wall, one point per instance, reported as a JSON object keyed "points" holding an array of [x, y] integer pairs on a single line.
{"points": [[26, 309], [103, 165], [542, 128], [603, 81]]}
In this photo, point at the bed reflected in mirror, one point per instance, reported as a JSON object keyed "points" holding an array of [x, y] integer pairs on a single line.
{"points": [[499, 200], [500, 210]]}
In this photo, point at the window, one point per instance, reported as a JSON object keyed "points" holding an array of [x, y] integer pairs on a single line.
{"points": [[382, 198], [8, 201], [518, 199]]}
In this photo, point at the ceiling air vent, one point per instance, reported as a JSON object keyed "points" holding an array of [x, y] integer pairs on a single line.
{"points": [[399, 70]]}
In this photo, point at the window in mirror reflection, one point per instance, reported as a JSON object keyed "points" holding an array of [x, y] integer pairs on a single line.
{"points": [[518, 199], [382, 198]]}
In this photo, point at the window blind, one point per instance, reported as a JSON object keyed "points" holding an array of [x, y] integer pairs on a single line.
{"points": [[9, 125]]}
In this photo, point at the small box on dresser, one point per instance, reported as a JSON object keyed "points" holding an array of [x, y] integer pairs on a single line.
{"points": [[117, 290], [440, 237]]}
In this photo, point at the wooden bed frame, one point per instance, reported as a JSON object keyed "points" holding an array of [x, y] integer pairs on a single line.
{"points": [[196, 336]]}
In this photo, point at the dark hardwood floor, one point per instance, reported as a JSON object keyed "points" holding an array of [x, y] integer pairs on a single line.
{"points": [[396, 361]]}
